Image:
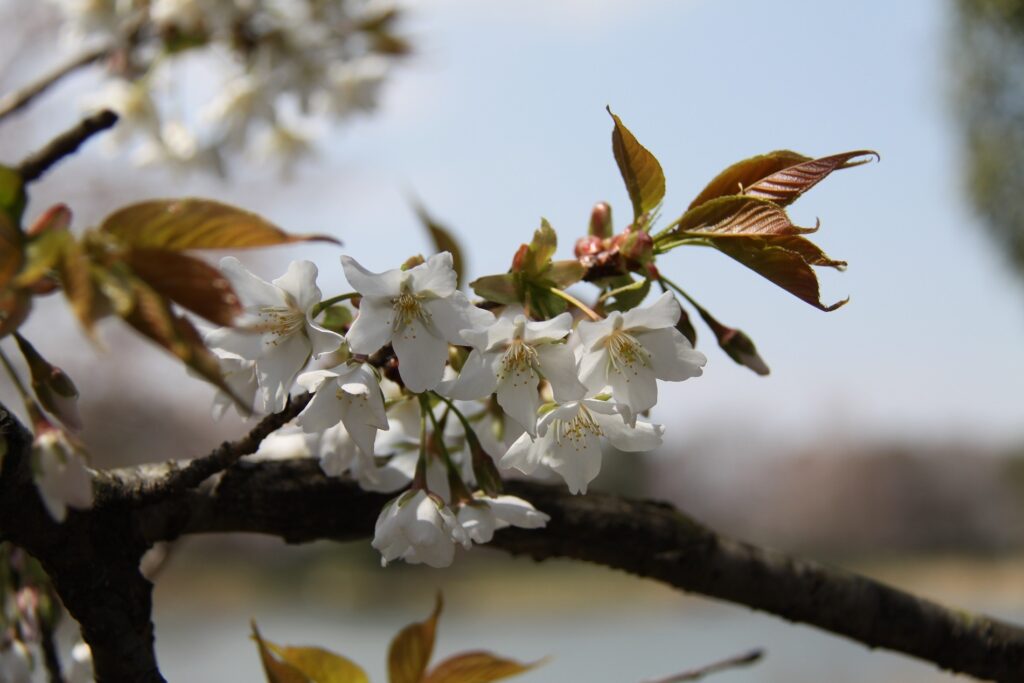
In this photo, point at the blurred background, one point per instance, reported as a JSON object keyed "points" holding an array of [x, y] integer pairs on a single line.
{"points": [[889, 436]]}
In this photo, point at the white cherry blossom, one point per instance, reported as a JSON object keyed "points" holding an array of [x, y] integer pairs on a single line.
{"points": [[277, 329], [15, 663], [418, 311], [510, 357], [349, 394], [485, 515], [63, 479], [419, 528], [630, 351], [569, 441], [240, 376]]}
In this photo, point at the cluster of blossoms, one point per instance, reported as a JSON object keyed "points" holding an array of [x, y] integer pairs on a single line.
{"points": [[281, 66], [424, 393]]}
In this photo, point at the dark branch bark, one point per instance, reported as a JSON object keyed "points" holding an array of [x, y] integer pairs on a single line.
{"points": [[295, 501], [93, 561], [93, 557], [224, 456], [65, 144], [19, 99]]}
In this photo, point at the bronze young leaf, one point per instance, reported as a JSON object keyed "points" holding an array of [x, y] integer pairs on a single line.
{"points": [[181, 224]]}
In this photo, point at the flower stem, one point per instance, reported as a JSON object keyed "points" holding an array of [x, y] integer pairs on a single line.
{"points": [[575, 302], [458, 487], [419, 480], [322, 306], [665, 281]]}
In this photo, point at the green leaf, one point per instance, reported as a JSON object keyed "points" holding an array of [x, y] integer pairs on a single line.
{"points": [[501, 289], [411, 649], [625, 293], [645, 181], [562, 274], [541, 248], [43, 255], [785, 186], [12, 194], [337, 318], [180, 224], [477, 667], [276, 671], [443, 241], [188, 282], [320, 665]]}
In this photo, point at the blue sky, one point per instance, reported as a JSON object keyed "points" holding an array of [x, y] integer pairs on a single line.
{"points": [[500, 120]]}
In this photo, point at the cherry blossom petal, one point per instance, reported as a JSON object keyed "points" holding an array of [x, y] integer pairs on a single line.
{"points": [[435, 277], [548, 330], [452, 315], [421, 357], [673, 357], [369, 284], [372, 328], [558, 364], [643, 437], [477, 379], [276, 371], [322, 340], [251, 290], [664, 312], [518, 397], [299, 281]]}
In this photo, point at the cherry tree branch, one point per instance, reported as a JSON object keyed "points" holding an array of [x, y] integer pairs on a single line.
{"points": [[198, 470], [17, 100], [67, 143], [93, 557], [294, 500]]}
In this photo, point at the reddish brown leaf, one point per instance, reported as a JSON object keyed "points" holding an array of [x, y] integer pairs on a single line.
{"points": [[180, 224], [476, 667], [411, 649], [645, 181], [783, 266], [14, 308], [785, 186], [743, 174], [76, 279], [187, 281], [11, 255], [734, 215], [443, 241]]}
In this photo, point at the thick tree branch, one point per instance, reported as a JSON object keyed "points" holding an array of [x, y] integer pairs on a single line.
{"points": [[65, 144], [92, 559], [19, 99], [295, 501]]}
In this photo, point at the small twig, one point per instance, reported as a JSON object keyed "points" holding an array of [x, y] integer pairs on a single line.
{"points": [[224, 456], [65, 144], [575, 302], [745, 659], [22, 97]]}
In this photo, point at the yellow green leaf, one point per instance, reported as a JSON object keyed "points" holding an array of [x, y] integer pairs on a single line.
{"points": [[180, 224], [14, 308], [411, 649], [276, 671], [500, 289], [76, 275], [645, 181], [541, 248], [43, 254], [477, 667], [320, 665], [12, 193]]}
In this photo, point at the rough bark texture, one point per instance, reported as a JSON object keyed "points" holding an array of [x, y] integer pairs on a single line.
{"points": [[93, 557]]}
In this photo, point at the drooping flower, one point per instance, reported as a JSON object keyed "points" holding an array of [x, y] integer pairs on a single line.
{"points": [[569, 441], [418, 310], [277, 329], [63, 479], [485, 515], [419, 528], [349, 394], [511, 357], [630, 351]]}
